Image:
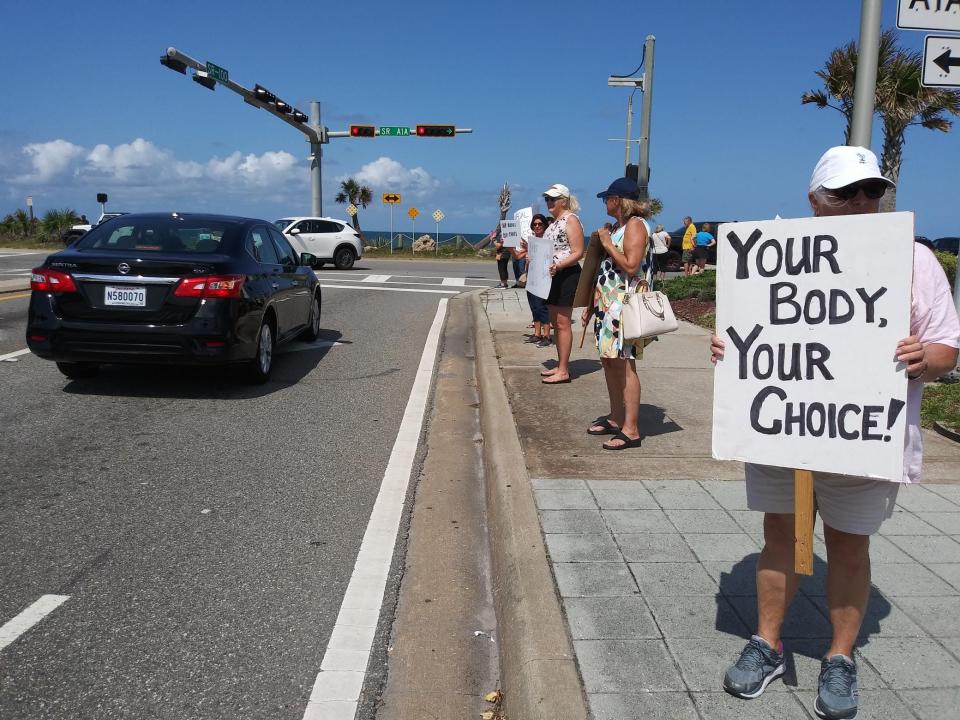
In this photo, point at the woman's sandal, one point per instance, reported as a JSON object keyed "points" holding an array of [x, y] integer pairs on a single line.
{"points": [[606, 428], [627, 442]]}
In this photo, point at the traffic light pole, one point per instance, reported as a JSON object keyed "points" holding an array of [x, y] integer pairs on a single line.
{"points": [[316, 164]]}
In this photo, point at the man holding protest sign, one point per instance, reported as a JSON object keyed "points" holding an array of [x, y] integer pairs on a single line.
{"points": [[818, 380]]}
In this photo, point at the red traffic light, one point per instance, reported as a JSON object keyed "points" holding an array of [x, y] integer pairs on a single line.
{"points": [[436, 130], [362, 131]]}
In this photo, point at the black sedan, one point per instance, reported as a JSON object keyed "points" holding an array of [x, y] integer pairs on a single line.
{"points": [[174, 288]]}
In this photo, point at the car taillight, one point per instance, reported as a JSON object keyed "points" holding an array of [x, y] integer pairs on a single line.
{"points": [[210, 286], [47, 280]]}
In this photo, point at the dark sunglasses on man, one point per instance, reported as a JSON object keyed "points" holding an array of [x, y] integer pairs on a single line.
{"points": [[873, 189]]}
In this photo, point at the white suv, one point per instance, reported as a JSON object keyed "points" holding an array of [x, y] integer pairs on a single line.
{"points": [[329, 239]]}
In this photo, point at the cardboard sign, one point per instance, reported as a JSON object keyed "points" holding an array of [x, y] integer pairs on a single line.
{"points": [[539, 256], [522, 218], [811, 311], [588, 273], [509, 233]]}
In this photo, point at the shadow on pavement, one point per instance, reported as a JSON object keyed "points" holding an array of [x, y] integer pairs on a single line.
{"points": [[292, 362], [654, 421], [806, 630]]}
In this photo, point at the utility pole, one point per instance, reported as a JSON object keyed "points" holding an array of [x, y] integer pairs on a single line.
{"points": [[316, 160], [865, 87], [643, 176]]}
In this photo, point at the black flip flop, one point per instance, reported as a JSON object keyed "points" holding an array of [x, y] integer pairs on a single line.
{"points": [[627, 442], [603, 422]]}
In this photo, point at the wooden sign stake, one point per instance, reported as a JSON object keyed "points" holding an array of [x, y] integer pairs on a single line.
{"points": [[803, 522]]}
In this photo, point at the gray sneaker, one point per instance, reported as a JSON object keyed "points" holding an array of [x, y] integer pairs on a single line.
{"points": [[757, 665], [837, 696]]}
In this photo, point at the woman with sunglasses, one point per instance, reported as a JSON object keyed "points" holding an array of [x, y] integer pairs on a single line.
{"points": [[621, 271], [538, 306], [846, 181], [566, 233]]}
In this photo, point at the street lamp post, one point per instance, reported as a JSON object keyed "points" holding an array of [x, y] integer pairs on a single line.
{"points": [[645, 84]]}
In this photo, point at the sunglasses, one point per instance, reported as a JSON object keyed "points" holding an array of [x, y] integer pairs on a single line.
{"points": [[536, 224], [549, 200], [873, 189]]}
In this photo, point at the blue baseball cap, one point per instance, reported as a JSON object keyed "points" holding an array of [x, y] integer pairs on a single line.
{"points": [[621, 187]]}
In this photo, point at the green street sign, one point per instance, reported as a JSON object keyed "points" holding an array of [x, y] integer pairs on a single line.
{"points": [[217, 73], [394, 131]]}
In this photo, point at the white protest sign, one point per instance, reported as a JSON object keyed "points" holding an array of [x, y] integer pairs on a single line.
{"points": [[539, 257], [522, 218], [811, 311], [509, 233]]}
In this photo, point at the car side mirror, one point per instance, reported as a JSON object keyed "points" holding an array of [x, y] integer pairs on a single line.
{"points": [[308, 259], [295, 231]]}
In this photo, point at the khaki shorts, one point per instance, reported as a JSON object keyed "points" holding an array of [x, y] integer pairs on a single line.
{"points": [[687, 256], [850, 504]]}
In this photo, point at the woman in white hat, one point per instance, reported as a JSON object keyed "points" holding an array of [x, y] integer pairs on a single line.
{"points": [[566, 233], [846, 181]]}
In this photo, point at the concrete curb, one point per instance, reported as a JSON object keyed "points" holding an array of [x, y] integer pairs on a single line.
{"points": [[12, 286], [538, 671]]}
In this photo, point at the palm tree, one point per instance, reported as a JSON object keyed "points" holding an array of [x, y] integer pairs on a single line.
{"points": [[56, 222], [360, 195], [22, 224], [901, 100]]}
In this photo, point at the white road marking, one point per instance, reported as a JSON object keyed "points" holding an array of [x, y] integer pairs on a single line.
{"points": [[398, 280], [376, 278], [454, 281], [16, 627], [10, 356], [336, 691], [389, 289]]}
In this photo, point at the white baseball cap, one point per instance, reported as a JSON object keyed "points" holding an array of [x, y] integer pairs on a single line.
{"points": [[843, 165], [557, 190]]}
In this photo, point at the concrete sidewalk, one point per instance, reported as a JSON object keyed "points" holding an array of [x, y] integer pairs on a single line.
{"points": [[653, 551]]}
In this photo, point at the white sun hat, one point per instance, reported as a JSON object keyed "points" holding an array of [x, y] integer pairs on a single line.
{"points": [[843, 165]]}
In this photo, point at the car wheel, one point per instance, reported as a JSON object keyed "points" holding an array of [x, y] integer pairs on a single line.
{"points": [[76, 370], [344, 257], [313, 329], [262, 363]]}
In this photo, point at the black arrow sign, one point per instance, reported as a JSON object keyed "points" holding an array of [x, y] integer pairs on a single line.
{"points": [[392, 198], [945, 62]]}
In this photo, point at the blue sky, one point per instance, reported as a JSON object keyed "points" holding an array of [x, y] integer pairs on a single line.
{"points": [[88, 108]]}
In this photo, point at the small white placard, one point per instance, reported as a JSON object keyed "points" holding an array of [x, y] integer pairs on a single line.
{"points": [[522, 218], [509, 233], [811, 311], [539, 257]]}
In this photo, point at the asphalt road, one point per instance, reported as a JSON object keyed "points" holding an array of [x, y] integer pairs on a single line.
{"points": [[204, 530]]}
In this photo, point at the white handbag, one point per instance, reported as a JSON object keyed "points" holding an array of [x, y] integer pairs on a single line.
{"points": [[646, 313]]}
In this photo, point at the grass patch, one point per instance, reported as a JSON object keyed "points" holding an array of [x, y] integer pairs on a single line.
{"points": [[941, 403], [13, 242], [702, 286]]}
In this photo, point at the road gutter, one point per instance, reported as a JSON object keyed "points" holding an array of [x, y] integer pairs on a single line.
{"points": [[538, 670]]}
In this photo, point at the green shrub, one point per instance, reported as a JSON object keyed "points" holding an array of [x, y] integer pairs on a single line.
{"points": [[948, 261]]}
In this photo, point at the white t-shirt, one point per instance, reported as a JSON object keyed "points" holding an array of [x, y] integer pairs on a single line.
{"points": [[661, 242]]}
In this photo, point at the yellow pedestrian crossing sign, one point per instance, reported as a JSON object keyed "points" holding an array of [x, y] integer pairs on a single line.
{"points": [[351, 209], [438, 215]]}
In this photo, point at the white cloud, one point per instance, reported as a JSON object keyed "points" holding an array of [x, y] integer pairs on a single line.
{"points": [[387, 173], [142, 164], [48, 160]]}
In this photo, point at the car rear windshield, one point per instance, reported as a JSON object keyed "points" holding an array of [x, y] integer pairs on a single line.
{"points": [[161, 235]]}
